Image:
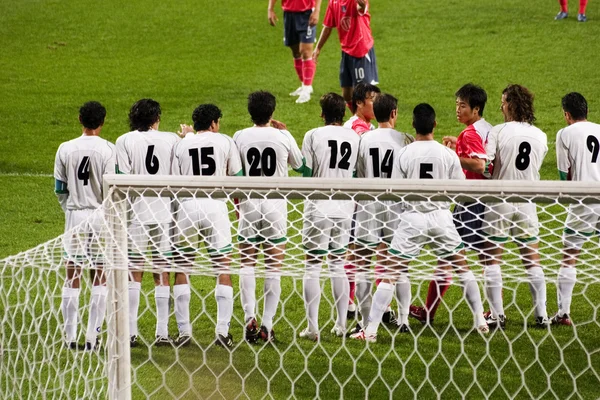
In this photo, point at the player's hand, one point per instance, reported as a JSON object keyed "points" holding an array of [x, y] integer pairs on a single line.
{"points": [[185, 129], [362, 4], [315, 54], [314, 18], [272, 17], [449, 141], [278, 124]]}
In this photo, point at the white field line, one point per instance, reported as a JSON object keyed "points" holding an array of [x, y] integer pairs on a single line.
{"points": [[26, 174]]}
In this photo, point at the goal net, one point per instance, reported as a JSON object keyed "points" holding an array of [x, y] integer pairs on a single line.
{"points": [[446, 356]]}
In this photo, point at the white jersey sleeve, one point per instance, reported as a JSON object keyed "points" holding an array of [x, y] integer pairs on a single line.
{"points": [[562, 154], [295, 158]]}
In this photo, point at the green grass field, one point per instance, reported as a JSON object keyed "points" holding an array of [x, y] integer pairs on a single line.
{"points": [[58, 54]]}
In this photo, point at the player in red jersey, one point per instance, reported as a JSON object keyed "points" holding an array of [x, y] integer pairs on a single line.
{"points": [[564, 10], [352, 20], [468, 217], [300, 18]]}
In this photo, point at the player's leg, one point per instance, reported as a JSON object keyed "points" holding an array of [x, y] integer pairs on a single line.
{"points": [[564, 10], [274, 255], [567, 276], [138, 242], [350, 265], [364, 286], [582, 6], [346, 81], [307, 40], [73, 250], [339, 237], [161, 260], [224, 299], [292, 40]]}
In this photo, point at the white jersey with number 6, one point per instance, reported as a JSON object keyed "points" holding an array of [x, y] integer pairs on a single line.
{"points": [[517, 150]]}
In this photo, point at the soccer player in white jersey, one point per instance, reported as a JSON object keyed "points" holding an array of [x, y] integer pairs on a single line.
{"points": [[205, 153], [423, 222], [147, 151], [265, 151], [78, 169], [376, 221], [330, 152], [577, 148], [516, 148]]}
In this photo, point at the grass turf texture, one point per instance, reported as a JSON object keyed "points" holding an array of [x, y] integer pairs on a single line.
{"points": [[58, 54]]}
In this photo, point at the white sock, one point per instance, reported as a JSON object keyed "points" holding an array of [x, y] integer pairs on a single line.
{"points": [[161, 298], [182, 294], [567, 277], [69, 307], [473, 296], [248, 292], [224, 297], [492, 276], [312, 295], [134, 305], [382, 298], [364, 287], [272, 295], [537, 285], [404, 296], [340, 287], [97, 313]]}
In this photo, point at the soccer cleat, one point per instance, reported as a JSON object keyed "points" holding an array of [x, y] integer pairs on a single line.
{"points": [[495, 323], [133, 341], [71, 345], [356, 329], [304, 97], [251, 333], [183, 340], [561, 15], [581, 18], [362, 336], [404, 328], [562, 320], [542, 322], [351, 311], [297, 91], [483, 329], [92, 347], [265, 335], [389, 317], [339, 332], [420, 315], [162, 341], [306, 334], [224, 341]]}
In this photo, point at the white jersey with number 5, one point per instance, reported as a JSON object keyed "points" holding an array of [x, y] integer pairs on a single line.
{"points": [[80, 163], [206, 154], [331, 152], [147, 153], [517, 150], [577, 150], [427, 159]]}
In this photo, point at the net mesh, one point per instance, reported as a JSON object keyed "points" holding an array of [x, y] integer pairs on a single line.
{"points": [[445, 358]]}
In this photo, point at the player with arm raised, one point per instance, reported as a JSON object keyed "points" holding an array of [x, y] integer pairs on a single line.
{"points": [[517, 150], [423, 223], [330, 152], [205, 153], [78, 169], [352, 20], [300, 18], [577, 148], [265, 151], [147, 151]]}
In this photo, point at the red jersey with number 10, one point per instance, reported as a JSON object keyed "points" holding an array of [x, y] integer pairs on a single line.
{"points": [[297, 5], [354, 28]]}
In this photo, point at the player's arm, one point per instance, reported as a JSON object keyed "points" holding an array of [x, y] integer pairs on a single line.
{"points": [[361, 6], [325, 33], [123, 162], [314, 17], [60, 181], [234, 162], [307, 154], [271, 13], [473, 154], [490, 150], [562, 158], [456, 171], [295, 157]]}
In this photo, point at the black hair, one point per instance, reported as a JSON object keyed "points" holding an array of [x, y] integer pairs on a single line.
{"points": [[360, 93], [333, 108], [143, 114], [261, 106], [474, 95], [575, 104], [383, 105], [520, 103], [92, 115], [204, 115], [423, 119]]}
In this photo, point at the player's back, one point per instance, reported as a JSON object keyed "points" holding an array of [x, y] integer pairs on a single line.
{"points": [[266, 151], [206, 154], [81, 163], [517, 150], [483, 128], [377, 152], [580, 145]]}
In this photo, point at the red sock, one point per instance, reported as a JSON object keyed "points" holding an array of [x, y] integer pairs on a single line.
{"points": [[298, 67], [437, 289], [564, 7], [350, 272], [308, 71], [582, 6]]}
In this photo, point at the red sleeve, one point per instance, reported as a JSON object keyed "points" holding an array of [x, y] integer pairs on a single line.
{"points": [[359, 126], [330, 17], [471, 145]]}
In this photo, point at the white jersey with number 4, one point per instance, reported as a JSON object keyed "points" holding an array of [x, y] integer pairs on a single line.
{"points": [[517, 150], [147, 153], [427, 159], [80, 163], [330, 152], [377, 151], [577, 151]]}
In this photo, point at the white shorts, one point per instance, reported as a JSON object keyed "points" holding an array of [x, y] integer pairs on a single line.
{"points": [[583, 221], [322, 235], [511, 220], [203, 221], [153, 237], [83, 233], [262, 220], [376, 221], [434, 228]]}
